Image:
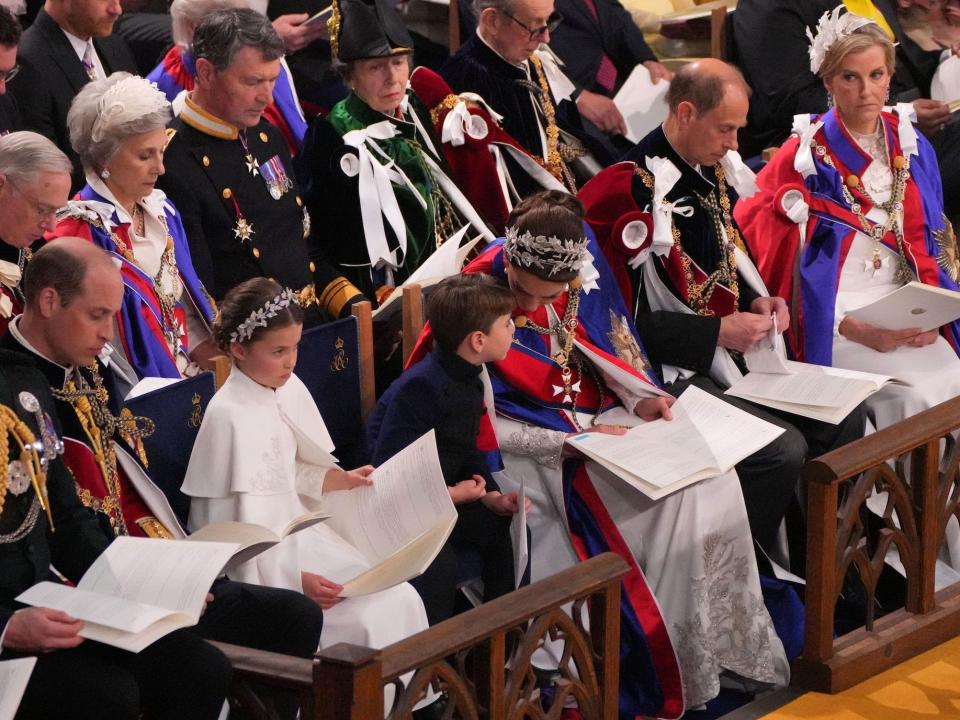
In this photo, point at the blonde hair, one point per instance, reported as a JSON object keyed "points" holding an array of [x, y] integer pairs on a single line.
{"points": [[863, 38]]}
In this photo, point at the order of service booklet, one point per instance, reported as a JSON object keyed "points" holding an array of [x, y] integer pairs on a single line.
{"points": [[706, 437]]}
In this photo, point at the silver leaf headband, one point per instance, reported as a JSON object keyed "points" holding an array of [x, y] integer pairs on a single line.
{"points": [[261, 316], [550, 254]]}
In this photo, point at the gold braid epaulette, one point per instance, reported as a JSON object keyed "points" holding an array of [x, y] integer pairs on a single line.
{"points": [[12, 425], [555, 162]]}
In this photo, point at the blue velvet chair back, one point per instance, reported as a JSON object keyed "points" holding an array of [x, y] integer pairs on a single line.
{"points": [[177, 411], [329, 365]]}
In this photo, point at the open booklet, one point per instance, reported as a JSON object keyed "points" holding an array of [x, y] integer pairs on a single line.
{"points": [[915, 305], [14, 676], [319, 17], [399, 523], [138, 590], [706, 437], [814, 391], [446, 261], [642, 102], [253, 539]]}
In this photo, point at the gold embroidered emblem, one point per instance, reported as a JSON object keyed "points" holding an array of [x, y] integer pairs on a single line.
{"points": [[340, 359], [196, 413], [948, 258], [625, 344]]}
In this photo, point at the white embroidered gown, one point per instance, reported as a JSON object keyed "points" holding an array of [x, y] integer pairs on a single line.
{"points": [[260, 457], [694, 548]]}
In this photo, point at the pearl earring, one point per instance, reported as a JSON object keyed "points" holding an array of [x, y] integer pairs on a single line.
{"points": [[104, 173]]}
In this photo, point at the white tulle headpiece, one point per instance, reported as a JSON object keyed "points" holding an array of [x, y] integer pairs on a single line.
{"points": [[834, 25], [129, 99]]}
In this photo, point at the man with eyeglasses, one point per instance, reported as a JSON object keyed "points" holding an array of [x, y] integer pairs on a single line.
{"points": [[9, 39], [509, 64], [34, 183]]}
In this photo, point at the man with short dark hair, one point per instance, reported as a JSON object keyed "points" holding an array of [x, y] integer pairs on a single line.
{"points": [[228, 170], [69, 43], [665, 223]]}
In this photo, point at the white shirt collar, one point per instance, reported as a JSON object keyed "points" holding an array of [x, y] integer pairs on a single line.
{"points": [[153, 203], [522, 65]]}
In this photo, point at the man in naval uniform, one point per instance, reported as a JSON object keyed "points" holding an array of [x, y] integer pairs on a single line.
{"points": [[72, 291], [231, 176]]}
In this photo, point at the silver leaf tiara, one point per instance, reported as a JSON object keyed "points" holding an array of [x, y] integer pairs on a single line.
{"points": [[550, 254], [261, 316]]}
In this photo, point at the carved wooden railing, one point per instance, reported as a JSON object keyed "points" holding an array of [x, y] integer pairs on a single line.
{"points": [[479, 661], [915, 462]]}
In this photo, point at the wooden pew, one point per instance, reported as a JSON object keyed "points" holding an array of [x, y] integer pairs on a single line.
{"points": [[464, 657], [924, 491]]}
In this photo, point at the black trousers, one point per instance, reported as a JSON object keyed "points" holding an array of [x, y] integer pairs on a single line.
{"points": [[769, 478], [479, 531], [178, 677]]}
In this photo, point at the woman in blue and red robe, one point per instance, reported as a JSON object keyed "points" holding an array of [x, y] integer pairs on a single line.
{"points": [[692, 607], [118, 126], [849, 210]]}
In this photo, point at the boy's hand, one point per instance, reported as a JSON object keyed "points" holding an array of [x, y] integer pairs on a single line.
{"points": [[468, 490], [323, 592], [505, 504]]}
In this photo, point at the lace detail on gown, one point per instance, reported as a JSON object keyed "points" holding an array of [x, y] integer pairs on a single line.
{"points": [[732, 629], [543, 446]]}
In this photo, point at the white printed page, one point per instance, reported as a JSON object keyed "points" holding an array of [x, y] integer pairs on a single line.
{"points": [[444, 262], [14, 676], [518, 536], [660, 452], [170, 574], [642, 103], [913, 305], [408, 497], [768, 355], [114, 612], [730, 433], [812, 389]]}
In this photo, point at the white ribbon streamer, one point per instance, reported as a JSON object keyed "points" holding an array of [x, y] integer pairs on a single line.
{"points": [[459, 122], [738, 174], [377, 198], [906, 130], [665, 176], [803, 160]]}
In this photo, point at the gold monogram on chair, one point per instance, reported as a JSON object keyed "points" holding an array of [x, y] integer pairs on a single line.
{"points": [[340, 360], [196, 412]]}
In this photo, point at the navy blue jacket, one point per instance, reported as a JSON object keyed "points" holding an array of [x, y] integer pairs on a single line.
{"points": [[443, 392]]}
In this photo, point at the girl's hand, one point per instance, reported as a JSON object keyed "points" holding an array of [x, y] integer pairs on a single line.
{"points": [[468, 490], [323, 592], [337, 479]]}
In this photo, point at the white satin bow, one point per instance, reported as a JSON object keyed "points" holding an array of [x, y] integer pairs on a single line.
{"points": [[906, 130], [459, 122], [738, 174], [803, 160], [377, 198], [665, 176]]}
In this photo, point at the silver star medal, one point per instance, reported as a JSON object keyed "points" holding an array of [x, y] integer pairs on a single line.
{"points": [[29, 402], [19, 477]]}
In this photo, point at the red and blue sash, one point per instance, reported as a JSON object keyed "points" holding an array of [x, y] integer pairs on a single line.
{"points": [[140, 320], [832, 225], [650, 683]]}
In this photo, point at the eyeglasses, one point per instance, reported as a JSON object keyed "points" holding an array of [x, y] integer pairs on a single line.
{"points": [[553, 22], [9, 74], [43, 211]]}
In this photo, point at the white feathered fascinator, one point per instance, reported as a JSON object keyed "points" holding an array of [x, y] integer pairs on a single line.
{"points": [[834, 25], [129, 99]]}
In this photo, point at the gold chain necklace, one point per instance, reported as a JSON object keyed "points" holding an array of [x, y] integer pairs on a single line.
{"points": [[555, 163], [893, 207], [100, 425], [565, 330], [699, 294]]}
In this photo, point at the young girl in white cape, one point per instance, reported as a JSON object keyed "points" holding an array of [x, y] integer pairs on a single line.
{"points": [[263, 456]]}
